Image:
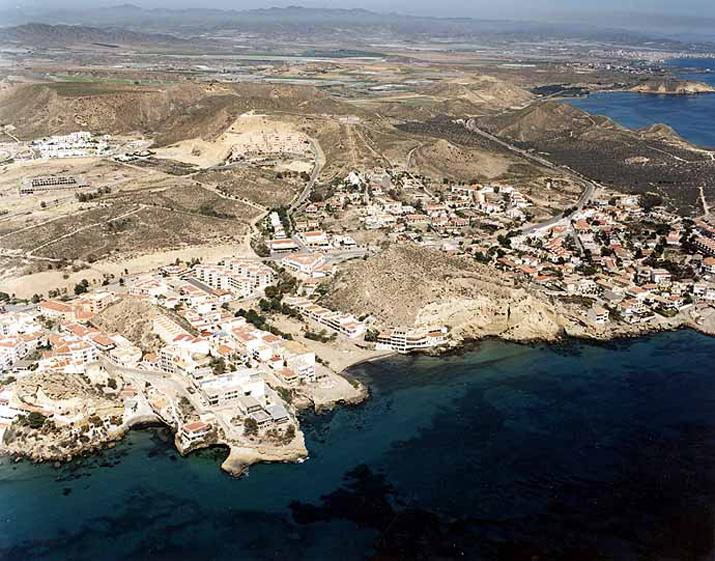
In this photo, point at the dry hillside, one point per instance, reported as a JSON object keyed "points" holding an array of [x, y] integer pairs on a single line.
{"points": [[544, 120], [170, 113], [485, 92], [441, 158], [408, 284], [38, 110], [133, 318], [652, 160], [40, 34], [261, 186]]}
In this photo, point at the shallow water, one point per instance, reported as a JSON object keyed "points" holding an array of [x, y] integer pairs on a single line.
{"points": [[504, 452]]}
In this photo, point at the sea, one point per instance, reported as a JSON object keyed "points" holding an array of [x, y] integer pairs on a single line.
{"points": [[692, 116], [574, 451]]}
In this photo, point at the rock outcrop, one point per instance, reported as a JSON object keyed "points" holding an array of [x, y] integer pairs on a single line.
{"points": [[673, 87], [240, 458], [410, 285], [521, 317]]}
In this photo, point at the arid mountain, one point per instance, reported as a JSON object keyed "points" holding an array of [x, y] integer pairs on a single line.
{"points": [[45, 35], [544, 120], [477, 95], [346, 24], [483, 92], [41, 109], [441, 158], [132, 317], [169, 114]]}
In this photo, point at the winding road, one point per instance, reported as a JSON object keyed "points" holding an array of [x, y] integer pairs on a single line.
{"points": [[589, 187], [305, 193]]}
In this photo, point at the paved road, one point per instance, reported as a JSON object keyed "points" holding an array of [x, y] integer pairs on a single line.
{"points": [[589, 187], [166, 383], [300, 199], [333, 256]]}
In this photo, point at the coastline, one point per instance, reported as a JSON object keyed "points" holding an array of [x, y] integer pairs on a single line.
{"points": [[241, 457], [338, 391]]}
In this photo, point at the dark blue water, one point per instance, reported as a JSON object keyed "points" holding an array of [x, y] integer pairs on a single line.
{"points": [[692, 116], [699, 69], [573, 452]]}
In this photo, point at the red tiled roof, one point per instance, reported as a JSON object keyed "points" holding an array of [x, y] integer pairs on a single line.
{"points": [[56, 306], [195, 426]]}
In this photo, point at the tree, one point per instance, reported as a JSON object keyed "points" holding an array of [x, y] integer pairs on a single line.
{"points": [[290, 433], [35, 420], [650, 200], [7, 381], [218, 364], [250, 427], [81, 287], [285, 394], [371, 335], [504, 240], [112, 383]]}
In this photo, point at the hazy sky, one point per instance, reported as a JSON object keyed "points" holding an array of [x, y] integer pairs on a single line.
{"points": [[512, 9]]}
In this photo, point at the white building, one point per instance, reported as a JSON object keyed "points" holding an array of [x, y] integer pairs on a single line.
{"points": [[309, 264], [194, 432], [406, 340], [230, 389], [598, 315], [74, 145], [167, 329], [345, 324], [279, 246], [660, 276], [315, 238]]}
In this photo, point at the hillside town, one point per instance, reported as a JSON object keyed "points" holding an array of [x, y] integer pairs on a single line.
{"points": [[230, 351], [216, 375], [615, 259]]}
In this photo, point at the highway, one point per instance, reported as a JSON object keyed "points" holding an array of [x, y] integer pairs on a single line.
{"points": [[589, 187]]}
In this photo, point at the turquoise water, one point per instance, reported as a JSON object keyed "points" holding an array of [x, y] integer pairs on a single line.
{"points": [[691, 116], [573, 451]]}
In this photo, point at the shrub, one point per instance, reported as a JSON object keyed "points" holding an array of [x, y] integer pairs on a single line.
{"points": [[250, 427], [35, 420]]}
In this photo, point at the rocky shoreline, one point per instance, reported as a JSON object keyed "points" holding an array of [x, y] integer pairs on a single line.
{"points": [[241, 456], [237, 462], [673, 87]]}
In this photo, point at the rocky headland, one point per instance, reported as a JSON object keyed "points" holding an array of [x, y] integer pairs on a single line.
{"points": [[673, 87]]}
